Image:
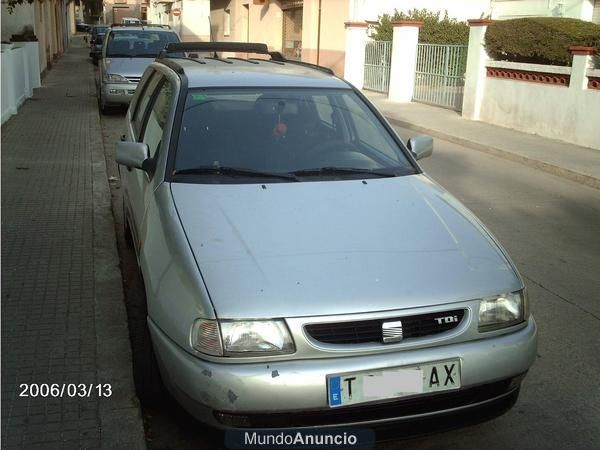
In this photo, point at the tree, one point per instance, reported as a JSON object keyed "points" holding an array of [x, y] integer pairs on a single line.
{"points": [[434, 30]]}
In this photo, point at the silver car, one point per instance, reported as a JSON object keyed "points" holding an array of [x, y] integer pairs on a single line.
{"points": [[126, 52], [300, 268]]}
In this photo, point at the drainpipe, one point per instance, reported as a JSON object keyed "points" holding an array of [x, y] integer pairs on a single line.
{"points": [[319, 33], [181, 20]]}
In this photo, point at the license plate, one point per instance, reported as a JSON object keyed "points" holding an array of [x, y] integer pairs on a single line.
{"points": [[373, 385]]}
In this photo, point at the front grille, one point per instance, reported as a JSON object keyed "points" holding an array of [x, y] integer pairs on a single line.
{"points": [[370, 412], [365, 331], [133, 79]]}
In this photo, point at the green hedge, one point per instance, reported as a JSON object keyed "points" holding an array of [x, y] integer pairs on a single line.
{"points": [[435, 30], [540, 40]]}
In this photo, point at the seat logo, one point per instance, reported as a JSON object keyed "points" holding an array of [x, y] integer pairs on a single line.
{"points": [[392, 331]]}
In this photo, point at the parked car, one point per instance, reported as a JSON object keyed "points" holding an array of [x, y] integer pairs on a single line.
{"points": [[131, 21], [96, 48], [95, 31], [126, 53], [81, 26], [300, 268]]}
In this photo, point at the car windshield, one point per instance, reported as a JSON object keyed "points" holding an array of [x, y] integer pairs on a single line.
{"points": [[99, 30], [307, 133], [138, 44]]}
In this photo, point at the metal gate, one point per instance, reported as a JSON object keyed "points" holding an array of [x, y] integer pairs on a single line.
{"points": [[378, 57], [439, 77]]}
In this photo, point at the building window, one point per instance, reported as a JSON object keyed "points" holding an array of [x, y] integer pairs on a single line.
{"points": [[227, 22]]}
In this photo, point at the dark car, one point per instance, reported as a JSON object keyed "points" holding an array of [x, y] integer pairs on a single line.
{"points": [[95, 31], [96, 48], [80, 26]]}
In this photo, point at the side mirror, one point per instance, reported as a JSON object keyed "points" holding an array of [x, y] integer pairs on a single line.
{"points": [[131, 154], [421, 146]]}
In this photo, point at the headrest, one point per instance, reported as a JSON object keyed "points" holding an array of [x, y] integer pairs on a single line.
{"points": [[276, 105]]}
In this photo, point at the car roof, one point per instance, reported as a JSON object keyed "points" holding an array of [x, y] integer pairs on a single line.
{"points": [[254, 72]]}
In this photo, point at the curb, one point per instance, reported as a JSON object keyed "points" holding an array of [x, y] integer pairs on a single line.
{"points": [[577, 177], [120, 415]]}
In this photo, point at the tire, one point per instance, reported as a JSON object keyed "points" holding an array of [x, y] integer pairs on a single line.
{"points": [[104, 109], [126, 228], [148, 381]]}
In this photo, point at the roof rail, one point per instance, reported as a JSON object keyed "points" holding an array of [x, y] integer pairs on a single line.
{"points": [[277, 56], [139, 25], [238, 47]]}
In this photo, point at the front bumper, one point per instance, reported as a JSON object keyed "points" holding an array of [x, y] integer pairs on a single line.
{"points": [[118, 93], [257, 394]]}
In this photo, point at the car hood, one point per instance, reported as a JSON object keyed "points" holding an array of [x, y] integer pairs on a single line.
{"points": [[336, 247], [127, 67]]}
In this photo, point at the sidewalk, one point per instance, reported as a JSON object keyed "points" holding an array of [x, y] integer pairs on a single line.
{"points": [[63, 317], [560, 158]]}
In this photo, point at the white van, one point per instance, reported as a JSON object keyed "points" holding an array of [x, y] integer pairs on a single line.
{"points": [[130, 21]]}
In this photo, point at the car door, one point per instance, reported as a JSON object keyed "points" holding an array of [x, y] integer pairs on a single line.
{"points": [[149, 125]]}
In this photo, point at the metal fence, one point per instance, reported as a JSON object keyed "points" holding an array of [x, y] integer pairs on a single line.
{"points": [[439, 77], [378, 57]]}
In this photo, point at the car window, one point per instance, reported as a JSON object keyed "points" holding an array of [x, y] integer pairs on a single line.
{"points": [[284, 130], [366, 130], [156, 120], [138, 43], [324, 109], [143, 99]]}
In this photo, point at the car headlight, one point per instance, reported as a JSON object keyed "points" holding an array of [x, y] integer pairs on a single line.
{"points": [[242, 337], [502, 311], [113, 77]]}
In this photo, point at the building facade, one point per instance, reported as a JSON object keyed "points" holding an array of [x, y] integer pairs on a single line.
{"points": [[307, 30], [52, 22]]}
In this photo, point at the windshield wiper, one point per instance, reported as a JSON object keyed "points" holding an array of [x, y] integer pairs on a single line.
{"points": [[118, 55], [330, 170], [146, 55], [233, 171]]}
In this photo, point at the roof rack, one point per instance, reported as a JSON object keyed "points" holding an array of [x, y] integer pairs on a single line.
{"points": [[237, 47], [277, 56], [140, 25]]}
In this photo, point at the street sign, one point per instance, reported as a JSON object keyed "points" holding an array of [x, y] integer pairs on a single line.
{"points": [[176, 12]]}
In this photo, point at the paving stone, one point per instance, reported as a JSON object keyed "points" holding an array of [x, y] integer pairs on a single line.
{"points": [[49, 294]]}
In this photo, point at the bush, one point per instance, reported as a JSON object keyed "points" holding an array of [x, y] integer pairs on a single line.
{"points": [[434, 30], [540, 40]]}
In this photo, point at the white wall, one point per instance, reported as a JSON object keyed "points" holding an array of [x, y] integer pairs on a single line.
{"points": [[553, 111], [511, 9], [473, 9], [15, 79], [194, 20], [459, 9]]}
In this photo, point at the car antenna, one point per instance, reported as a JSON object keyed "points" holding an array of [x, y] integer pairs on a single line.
{"points": [[212, 39]]}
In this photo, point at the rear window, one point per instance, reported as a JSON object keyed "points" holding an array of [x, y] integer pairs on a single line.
{"points": [[284, 130], [138, 44]]}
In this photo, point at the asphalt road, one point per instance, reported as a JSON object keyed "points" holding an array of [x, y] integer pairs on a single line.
{"points": [[551, 228]]}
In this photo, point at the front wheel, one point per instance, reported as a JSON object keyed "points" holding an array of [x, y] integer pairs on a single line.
{"points": [[148, 380], [102, 106]]}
